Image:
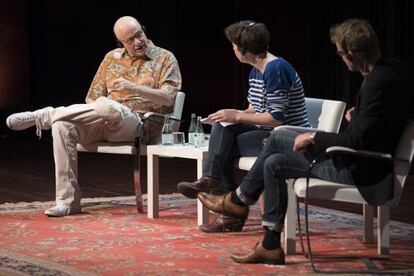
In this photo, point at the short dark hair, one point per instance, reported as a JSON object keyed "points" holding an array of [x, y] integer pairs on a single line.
{"points": [[356, 36], [249, 36]]}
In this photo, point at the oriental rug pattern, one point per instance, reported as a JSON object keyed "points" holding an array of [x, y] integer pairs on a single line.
{"points": [[110, 238]]}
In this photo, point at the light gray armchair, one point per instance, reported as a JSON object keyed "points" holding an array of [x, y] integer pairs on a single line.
{"points": [[313, 188], [324, 115], [136, 148]]}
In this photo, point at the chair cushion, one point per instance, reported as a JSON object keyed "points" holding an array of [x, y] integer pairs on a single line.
{"points": [[112, 147], [245, 163], [326, 190]]}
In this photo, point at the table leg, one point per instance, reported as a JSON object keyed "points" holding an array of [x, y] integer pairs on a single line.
{"points": [[202, 212], [153, 185]]}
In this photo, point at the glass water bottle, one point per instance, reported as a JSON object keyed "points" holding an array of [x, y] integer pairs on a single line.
{"points": [[166, 134], [192, 129]]}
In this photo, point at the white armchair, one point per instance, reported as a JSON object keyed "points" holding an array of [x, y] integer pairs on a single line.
{"points": [[136, 148], [324, 115], [312, 188]]}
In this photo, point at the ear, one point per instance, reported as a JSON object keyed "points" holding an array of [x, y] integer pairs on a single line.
{"points": [[118, 43], [242, 50]]}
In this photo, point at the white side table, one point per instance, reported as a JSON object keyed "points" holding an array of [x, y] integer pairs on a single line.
{"points": [[153, 154]]}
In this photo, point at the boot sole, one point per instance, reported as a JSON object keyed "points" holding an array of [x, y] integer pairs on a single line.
{"points": [[232, 228], [278, 262]]}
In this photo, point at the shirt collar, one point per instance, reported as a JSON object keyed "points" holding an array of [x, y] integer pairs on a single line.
{"points": [[152, 52]]}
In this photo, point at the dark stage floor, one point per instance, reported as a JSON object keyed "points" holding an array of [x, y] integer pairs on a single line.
{"points": [[27, 174]]}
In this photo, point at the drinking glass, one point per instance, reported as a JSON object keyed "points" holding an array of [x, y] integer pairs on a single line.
{"points": [[178, 139]]}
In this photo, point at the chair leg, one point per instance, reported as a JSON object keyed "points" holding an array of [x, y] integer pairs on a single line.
{"points": [[368, 212], [383, 230], [290, 223], [310, 255], [137, 183], [300, 229]]}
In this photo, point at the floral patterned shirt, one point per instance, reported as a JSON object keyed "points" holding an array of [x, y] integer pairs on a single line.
{"points": [[159, 70]]}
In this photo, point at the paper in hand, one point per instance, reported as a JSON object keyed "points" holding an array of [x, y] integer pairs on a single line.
{"points": [[210, 122]]}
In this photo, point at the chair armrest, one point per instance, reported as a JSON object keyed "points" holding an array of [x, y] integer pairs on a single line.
{"points": [[150, 115], [298, 128], [362, 153]]}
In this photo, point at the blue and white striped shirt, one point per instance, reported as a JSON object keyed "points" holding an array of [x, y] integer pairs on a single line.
{"points": [[278, 91]]}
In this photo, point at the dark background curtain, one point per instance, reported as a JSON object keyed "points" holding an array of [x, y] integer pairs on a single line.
{"points": [[51, 49]]}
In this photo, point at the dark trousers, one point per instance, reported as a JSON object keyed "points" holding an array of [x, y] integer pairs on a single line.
{"points": [[228, 143], [276, 163]]}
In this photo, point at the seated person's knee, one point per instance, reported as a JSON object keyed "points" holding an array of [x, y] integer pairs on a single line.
{"points": [[64, 128], [108, 109]]}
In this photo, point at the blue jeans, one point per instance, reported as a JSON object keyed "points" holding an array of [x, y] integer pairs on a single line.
{"points": [[228, 143], [276, 163]]}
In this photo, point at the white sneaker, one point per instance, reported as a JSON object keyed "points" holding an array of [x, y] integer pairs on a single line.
{"points": [[61, 210], [23, 120]]}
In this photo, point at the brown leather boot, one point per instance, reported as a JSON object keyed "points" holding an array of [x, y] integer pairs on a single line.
{"points": [[204, 184], [261, 255], [222, 224], [223, 205]]}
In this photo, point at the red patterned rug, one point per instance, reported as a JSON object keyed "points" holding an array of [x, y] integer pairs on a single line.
{"points": [[110, 238]]}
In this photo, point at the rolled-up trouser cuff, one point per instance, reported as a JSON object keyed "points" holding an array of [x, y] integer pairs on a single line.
{"points": [[273, 226], [243, 198]]}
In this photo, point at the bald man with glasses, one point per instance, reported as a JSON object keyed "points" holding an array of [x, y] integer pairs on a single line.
{"points": [[136, 78]]}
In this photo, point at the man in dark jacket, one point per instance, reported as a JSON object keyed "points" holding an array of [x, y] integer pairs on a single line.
{"points": [[375, 123]]}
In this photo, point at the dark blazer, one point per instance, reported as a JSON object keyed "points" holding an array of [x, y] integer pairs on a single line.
{"points": [[381, 112]]}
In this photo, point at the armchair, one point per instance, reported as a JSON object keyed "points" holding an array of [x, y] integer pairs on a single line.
{"points": [[319, 189], [323, 115], [136, 148]]}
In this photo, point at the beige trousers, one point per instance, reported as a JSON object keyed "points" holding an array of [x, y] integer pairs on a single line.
{"points": [[103, 120]]}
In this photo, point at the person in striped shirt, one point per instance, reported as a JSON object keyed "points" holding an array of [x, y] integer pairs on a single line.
{"points": [[376, 122], [276, 97]]}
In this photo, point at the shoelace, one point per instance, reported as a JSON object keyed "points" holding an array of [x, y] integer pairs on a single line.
{"points": [[38, 127]]}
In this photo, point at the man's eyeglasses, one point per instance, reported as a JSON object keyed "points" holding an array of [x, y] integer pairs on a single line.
{"points": [[130, 40]]}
